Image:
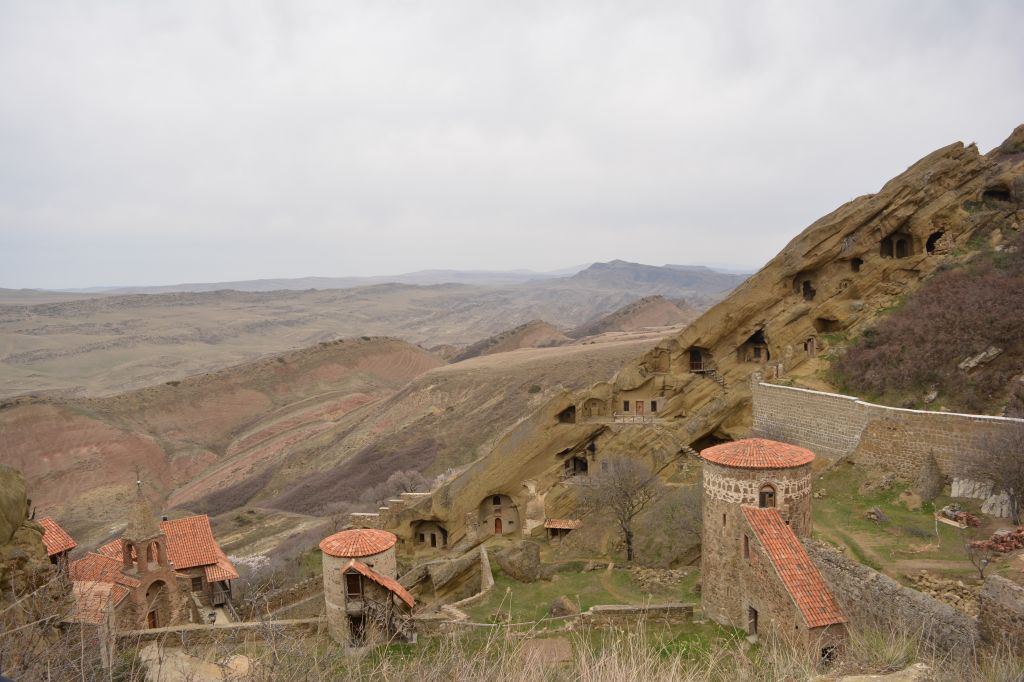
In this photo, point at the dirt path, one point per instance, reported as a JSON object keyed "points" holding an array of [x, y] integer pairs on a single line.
{"points": [[609, 586]]}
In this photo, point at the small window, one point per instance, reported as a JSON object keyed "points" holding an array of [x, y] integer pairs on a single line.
{"points": [[654, 406], [197, 584], [723, 520], [625, 406], [433, 540], [423, 537], [746, 547], [353, 585], [856, 263], [496, 500], [766, 497]]}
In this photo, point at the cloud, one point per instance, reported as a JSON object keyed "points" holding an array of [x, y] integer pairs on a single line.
{"points": [[158, 143]]}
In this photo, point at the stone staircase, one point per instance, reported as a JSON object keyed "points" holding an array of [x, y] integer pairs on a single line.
{"points": [[713, 374]]}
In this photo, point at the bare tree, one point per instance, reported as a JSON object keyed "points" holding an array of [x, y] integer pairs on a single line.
{"points": [[1002, 466], [622, 487], [980, 556]]}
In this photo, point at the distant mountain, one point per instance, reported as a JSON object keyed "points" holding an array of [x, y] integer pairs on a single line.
{"points": [[533, 334], [650, 311], [420, 278], [669, 280]]}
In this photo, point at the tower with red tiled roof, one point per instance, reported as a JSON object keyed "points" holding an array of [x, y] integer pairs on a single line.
{"points": [[365, 602], [755, 573]]}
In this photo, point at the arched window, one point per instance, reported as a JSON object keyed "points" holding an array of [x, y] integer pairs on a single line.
{"points": [[766, 497], [152, 554]]}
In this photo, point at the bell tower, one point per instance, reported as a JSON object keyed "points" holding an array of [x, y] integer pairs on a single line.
{"points": [[143, 545]]}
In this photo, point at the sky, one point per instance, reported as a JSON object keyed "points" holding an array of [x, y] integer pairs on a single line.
{"points": [[157, 143]]}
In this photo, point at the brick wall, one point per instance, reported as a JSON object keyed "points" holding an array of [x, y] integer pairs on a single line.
{"points": [[835, 426]]}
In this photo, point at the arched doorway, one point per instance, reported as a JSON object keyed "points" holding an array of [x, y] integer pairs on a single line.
{"points": [[499, 514], [497, 526], [157, 605]]}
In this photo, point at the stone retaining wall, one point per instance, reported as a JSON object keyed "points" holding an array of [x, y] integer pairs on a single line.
{"points": [[835, 426], [871, 599], [234, 633], [1001, 614], [616, 614]]}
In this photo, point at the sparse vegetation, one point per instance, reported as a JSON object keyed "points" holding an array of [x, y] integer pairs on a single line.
{"points": [[1001, 467], [919, 347]]}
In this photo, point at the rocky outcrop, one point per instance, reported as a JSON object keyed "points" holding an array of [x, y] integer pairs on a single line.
{"points": [[533, 334], [650, 311], [23, 561]]}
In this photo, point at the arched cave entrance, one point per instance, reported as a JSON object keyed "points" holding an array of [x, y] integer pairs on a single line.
{"points": [[933, 240], [897, 245], [430, 533], [499, 515], [700, 359], [594, 407], [568, 415], [811, 347], [856, 263], [998, 194], [754, 349]]}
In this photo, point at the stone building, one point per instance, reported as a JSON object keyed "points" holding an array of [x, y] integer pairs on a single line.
{"points": [[193, 552], [755, 573], [58, 543], [139, 587], [365, 602]]}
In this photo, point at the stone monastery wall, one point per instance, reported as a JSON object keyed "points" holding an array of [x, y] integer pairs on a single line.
{"points": [[835, 426]]}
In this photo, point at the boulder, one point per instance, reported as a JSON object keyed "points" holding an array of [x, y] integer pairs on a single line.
{"points": [[521, 562], [563, 606]]}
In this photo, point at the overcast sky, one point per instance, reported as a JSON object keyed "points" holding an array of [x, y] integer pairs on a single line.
{"points": [[165, 142]]}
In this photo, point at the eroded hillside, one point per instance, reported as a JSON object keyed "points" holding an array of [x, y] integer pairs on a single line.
{"points": [[80, 456]]}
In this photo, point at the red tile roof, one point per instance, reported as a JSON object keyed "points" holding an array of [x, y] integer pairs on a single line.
{"points": [[358, 542], [566, 524], [222, 570], [190, 543], [100, 568], [794, 567], [387, 583], [91, 598], [55, 538], [758, 453]]}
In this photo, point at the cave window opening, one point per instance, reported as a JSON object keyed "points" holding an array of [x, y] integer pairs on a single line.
{"points": [[886, 248], [856, 263], [902, 248], [808, 290], [933, 239], [568, 415], [997, 194]]}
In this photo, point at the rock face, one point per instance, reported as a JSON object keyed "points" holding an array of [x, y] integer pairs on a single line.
{"points": [[23, 560], [830, 282]]}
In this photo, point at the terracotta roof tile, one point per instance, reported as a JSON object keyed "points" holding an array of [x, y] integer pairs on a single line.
{"points": [[387, 583], [222, 570], [91, 598], [190, 543], [55, 538], [566, 524], [100, 568], [798, 573], [758, 453], [358, 542]]}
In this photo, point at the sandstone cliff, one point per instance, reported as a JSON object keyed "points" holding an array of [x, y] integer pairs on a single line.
{"points": [[830, 282], [23, 561]]}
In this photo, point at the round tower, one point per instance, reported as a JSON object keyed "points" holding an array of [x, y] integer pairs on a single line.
{"points": [[752, 472], [373, 548]]}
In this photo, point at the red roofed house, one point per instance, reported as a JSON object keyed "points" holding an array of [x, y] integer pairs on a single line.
{"points": [[755, 573], [153, 576], [58, 542], [365, 602], [193, 551]]}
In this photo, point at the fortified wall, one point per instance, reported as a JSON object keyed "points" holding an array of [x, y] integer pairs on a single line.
{"points": [[835, 426]]}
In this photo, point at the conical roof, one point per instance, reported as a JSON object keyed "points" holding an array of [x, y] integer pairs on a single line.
{"points": [[758, 453], [358, 542]]}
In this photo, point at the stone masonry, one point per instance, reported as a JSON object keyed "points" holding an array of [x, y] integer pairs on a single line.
{"points": [[896, 439]]}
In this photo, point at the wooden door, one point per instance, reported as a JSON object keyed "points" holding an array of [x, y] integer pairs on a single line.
{"points": [[151, 619], [639, 407], [497, 526]]}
